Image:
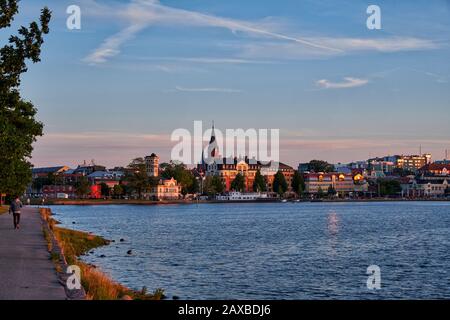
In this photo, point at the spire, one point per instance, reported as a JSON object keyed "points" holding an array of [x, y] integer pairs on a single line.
{"points": [[213, 149], [213, 134]]}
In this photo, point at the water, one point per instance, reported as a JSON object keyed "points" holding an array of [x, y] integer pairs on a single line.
{"points": [[273, 250]]}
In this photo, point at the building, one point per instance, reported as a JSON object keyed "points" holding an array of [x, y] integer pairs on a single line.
{"points": [[54, 191], [342, 183], [86, 170], [380, 168], [45, 172], [431, 188], [228, 168], [152, 165], [435, 169], [167, 189], [413, 162]]}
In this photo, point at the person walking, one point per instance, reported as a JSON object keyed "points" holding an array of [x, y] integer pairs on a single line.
{"points": [[15, 208]]}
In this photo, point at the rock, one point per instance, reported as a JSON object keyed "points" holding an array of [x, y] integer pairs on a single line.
{"points": [[113, 240], [126, 297], [73, 222], [175, 298], [122, 240], [129, 252], [102, 256]]}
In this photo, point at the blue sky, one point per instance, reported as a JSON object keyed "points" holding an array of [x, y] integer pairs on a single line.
{"points": [[137, 70]]}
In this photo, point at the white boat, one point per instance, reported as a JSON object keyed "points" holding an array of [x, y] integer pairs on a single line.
{"points": [[238, 196]]}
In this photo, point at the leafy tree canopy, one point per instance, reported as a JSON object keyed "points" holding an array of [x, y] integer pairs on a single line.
{"points": [[18, 126]]}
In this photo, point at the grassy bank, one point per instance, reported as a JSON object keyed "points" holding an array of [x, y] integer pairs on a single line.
{"points": [[97, 285]]}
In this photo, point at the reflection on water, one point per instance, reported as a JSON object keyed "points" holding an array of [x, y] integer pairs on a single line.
{"points": [[333, 223], [273, 250]]}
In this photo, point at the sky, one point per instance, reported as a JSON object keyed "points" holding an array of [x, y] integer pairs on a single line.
{"points": [[139, 69]]}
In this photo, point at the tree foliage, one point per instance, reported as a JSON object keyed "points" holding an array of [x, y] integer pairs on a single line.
{"points": [[389, 187], [213, 185], [82, 187], [182, 174], [238, 184], [298, 183], [259, 185], [320, 166], [136, 177], [18, 126], [280, 185]]}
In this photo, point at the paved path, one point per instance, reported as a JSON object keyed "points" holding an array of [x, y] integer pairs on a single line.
{"points": [[26, 271]]}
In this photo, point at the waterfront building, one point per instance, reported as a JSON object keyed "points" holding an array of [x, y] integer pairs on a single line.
{"points": [[166, 189], [152, 165], [228, 168], [426, 187], [435, 169], [342, 183], [57, 191]]}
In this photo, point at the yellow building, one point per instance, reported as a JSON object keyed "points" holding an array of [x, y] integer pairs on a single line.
{"points": [[167, 189], [340, 182]]}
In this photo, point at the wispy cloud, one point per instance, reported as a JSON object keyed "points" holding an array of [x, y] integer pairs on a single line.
{"points": [[111, 46], [142, 14], [220, 90], [348, 82], [272, 43]]}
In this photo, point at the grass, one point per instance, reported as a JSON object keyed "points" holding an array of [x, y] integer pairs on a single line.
{"points": [[4, 209], [97, 285]]}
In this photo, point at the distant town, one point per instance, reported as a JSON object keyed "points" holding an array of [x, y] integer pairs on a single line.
{"points": [[239, 179]]}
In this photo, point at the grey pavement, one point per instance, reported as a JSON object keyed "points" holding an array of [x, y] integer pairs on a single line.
{"points": [[26, 271]]}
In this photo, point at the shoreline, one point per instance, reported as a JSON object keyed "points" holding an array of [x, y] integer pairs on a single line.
{"points": [[66, 246], [190, 202]]}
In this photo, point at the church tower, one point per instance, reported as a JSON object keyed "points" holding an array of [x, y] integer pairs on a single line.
{"points": [[152, 165]]}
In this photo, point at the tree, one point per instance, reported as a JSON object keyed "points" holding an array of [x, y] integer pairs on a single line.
{"points": [[259, 185], [179, 172], [238, 184], [320, 193], [320, 166], [82, 187], [279, 183], [195, 186], [213, 185], [137, 178], [389, 187], [18, 125], [118, 190], [218, 184], [105, 189], [331, 191], [298, 183]]}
